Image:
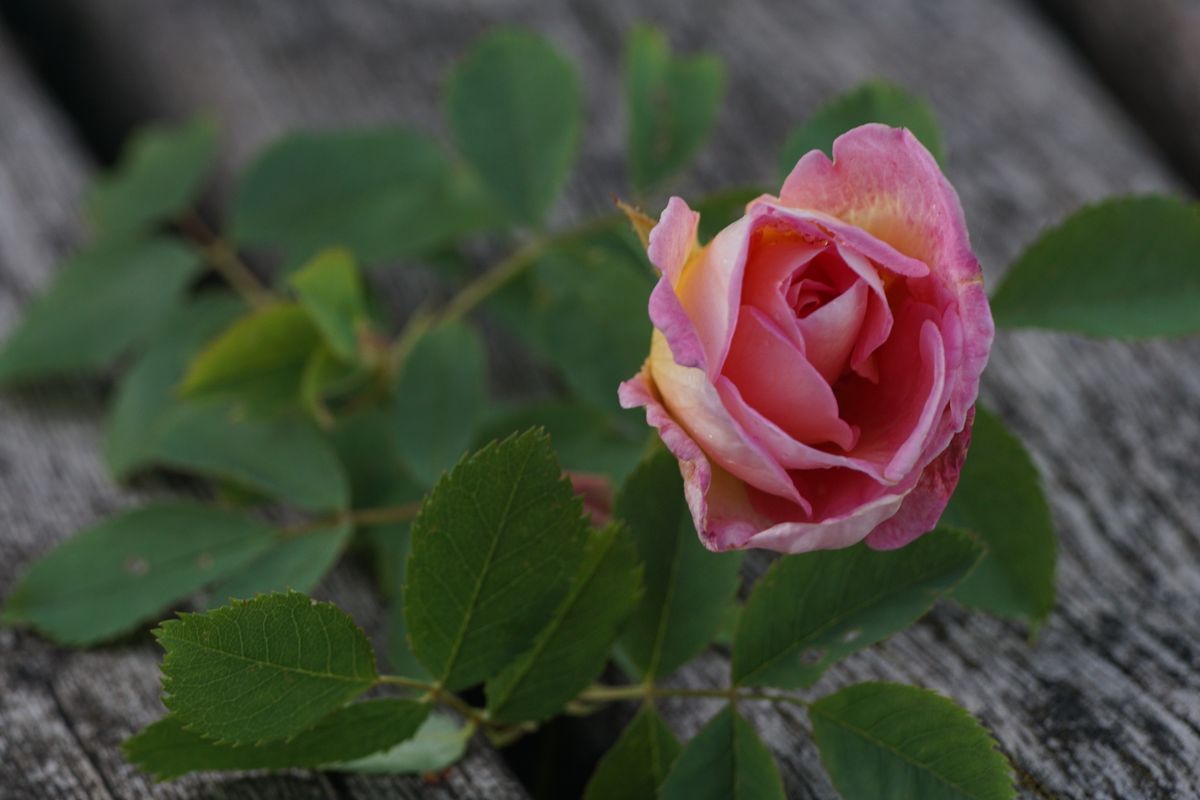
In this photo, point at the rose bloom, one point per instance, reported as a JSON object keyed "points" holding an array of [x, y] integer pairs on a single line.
{"points": [[815, 366]]}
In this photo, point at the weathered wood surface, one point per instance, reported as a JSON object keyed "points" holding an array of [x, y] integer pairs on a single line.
{"points": [[1106, 704], [63, 714], [1149, 52]]}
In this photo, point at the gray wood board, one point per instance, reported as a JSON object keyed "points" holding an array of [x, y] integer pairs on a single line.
{"points": [[1105, 703], [1149, 53], [63, 714]]}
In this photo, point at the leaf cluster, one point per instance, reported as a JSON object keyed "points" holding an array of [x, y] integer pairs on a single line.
{"points": [[314, 423]]}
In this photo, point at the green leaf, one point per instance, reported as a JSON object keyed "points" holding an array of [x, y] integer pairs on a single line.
{"points": [[726, 761], [161, 171], [295, 562], [1125, 267], [637, 764], [285, 458], [168, 749], [438, 399], [600, 282], [147, 392], [810, 610], [383, 194], [104, 301], [571, 650], [514, 107], [585, 439], [438, 743], [331, 290], [258, 361], [125, 570], [999, 496], [887, 740], [873, 101], [687, 588], [263, 669], [493, 552], [672, 104]]}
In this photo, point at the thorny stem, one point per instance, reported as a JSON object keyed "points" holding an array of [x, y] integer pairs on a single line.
{"points": [[224, 260], [470, 296], [503, 733], [362, 516]]}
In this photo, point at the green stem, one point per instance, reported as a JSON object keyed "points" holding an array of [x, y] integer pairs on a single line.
{"points": [[224, 260], [641, 691], [470, 296], [362, 516]]}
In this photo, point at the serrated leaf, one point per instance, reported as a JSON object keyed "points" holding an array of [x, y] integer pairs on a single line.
{"points": [[285, 458], [810, 610], [493, 552], [167, 749], [637, 764], [1125, 267], [331, 290], [109, 578], [587, 285], [672, 104], [147, 392], [873, 101], [263, 669], [571, 650], [584, 438], [257, 362], [161, 171], [295, 562], [514, 107], [687, 588], [726, 761], [104, 301], [438, 399], [884, 740], [383, 194], [438, 744], [1000, 497]]}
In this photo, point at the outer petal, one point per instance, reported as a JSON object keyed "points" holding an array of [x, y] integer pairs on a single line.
{"points": [[885, 182], [832, 534], [923, 507], [720, 506], [710, 290], [694, 404], [673, 239]]}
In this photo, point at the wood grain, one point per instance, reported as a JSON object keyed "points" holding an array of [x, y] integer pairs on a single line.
{"points": [[1105, 703], [63, 714], [1149, 54]]}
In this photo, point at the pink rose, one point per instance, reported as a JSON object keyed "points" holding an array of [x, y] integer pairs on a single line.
{"points": [[814, 368]]}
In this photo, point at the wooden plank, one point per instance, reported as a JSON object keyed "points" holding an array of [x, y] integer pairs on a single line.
{"points": [[1104, 704], [1149, 54], [63, 714]]}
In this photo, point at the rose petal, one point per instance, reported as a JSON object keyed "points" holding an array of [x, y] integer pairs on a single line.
{"points": [[791, 454], [693, 402], [668, 316], [720, 507], [710, 287], [771, 268], [775, 378], [923, 506], [831, 332], [884, 182], [673, 239]]}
